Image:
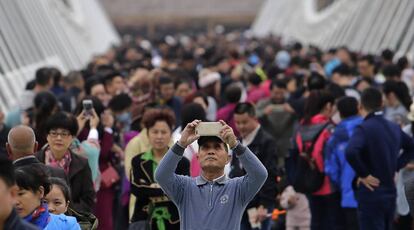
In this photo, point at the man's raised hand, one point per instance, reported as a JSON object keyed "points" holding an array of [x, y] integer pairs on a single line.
{"points": [[189, 135], [227, 135]]}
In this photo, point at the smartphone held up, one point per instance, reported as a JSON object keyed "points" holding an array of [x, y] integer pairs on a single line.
{"points": [[209, 129], [87, 108]]}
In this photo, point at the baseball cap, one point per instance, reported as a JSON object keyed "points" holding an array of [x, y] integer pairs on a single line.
{"points": [[205, 139]]}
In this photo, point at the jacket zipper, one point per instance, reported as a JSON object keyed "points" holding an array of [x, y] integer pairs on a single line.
{"points": [[210, 202]]}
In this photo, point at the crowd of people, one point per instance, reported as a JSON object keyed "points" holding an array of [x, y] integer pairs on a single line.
{"points": [[332, 131]]}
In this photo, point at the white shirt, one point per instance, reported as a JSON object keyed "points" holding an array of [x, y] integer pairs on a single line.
{"points": [[250, 137]]}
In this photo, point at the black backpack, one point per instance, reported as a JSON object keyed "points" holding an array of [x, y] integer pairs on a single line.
{"points": [[86, 221], [302, 171]]}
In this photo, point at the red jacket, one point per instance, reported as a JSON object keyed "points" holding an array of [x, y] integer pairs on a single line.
{"points": [[255, 94], [318, 151]]}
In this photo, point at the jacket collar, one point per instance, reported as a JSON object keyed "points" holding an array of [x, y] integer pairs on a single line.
{"points": [[30, 159], [147, 156], [319, 118], [13, 221], [258, 138], [200, 180], [374, 114], [251, 136], [148, 165], [75, 166], [354, 117]]}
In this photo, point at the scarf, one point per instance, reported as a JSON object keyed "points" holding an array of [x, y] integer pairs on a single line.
{"points": [[63, 163], [39, 217]]}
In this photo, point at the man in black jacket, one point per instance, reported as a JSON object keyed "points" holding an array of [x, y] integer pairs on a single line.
{"points": [[9, 220], [263, 146], [21, 146]]}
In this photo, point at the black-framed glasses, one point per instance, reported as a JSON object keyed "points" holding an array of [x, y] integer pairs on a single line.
{"points": [[55, 134]]}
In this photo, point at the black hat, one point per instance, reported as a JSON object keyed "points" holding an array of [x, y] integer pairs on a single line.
{"points": [[204, 139]]}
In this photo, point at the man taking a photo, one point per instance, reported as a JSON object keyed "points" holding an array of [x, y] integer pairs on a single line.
{"points": [[211, 201]]}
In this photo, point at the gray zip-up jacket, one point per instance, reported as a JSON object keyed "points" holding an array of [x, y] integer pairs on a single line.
{"points": [[206, 205]]}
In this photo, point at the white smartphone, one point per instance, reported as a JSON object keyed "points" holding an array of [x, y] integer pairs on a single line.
{"points": [[209, 128]]}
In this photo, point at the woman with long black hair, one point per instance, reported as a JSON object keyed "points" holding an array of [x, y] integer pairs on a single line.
{"points": [[313, 133]]}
